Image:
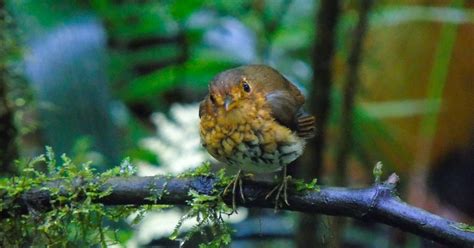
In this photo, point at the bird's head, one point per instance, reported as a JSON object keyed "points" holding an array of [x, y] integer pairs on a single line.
{"points": [[240, 92], [228, 91], [235, 89]]}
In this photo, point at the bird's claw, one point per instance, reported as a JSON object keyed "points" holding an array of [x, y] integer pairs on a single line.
{"points": [[282, 187], [236, 180]]}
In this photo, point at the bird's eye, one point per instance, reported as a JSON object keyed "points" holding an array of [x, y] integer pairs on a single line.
{"points": [[213, 99], [246, 87]]}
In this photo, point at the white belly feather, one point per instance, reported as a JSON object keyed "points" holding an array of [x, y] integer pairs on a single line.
{"points": [[250, 157]]}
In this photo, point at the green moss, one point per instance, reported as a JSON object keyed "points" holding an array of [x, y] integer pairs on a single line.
{"points": [[208, 211], [377, 172], [156, 194], [302, 186], [203, 170], [464, 227], [74, 220]]}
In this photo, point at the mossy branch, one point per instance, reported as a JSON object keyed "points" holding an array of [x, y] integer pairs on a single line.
{"points": [[377, 203]]}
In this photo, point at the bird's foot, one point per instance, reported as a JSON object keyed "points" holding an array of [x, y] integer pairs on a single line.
{"points": [[233, 183], [279, 189]]}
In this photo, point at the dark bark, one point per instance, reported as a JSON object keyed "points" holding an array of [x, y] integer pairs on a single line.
{"points": [[378, 203], [347, 112], [8, 131], [322, 59], [350, 89], [8, 148]]}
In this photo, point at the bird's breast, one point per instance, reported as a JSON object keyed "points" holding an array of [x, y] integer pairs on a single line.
{"points": [[254, 143]]}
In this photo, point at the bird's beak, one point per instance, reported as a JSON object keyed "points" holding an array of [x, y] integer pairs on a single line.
{"points": [[228, 102]]}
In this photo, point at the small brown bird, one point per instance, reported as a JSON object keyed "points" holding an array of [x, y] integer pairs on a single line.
{"points": [[253, 119]]}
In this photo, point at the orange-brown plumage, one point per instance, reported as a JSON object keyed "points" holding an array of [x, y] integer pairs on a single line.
{"points": [[252, 118]]}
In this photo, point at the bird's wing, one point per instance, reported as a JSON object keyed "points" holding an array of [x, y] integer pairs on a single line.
{"points": [[286, 105], [285, 101], [283, 107]]}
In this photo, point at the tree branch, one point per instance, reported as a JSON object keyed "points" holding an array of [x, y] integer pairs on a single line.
{"points": [[377, 203]]}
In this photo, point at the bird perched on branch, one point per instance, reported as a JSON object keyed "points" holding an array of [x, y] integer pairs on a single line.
{"points": [[253, 119]]}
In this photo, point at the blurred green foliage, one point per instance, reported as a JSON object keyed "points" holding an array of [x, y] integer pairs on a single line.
{"points": [[163, 52], [160, 52]]}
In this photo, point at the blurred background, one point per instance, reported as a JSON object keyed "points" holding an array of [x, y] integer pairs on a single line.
{"points": [[103, 80]]}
